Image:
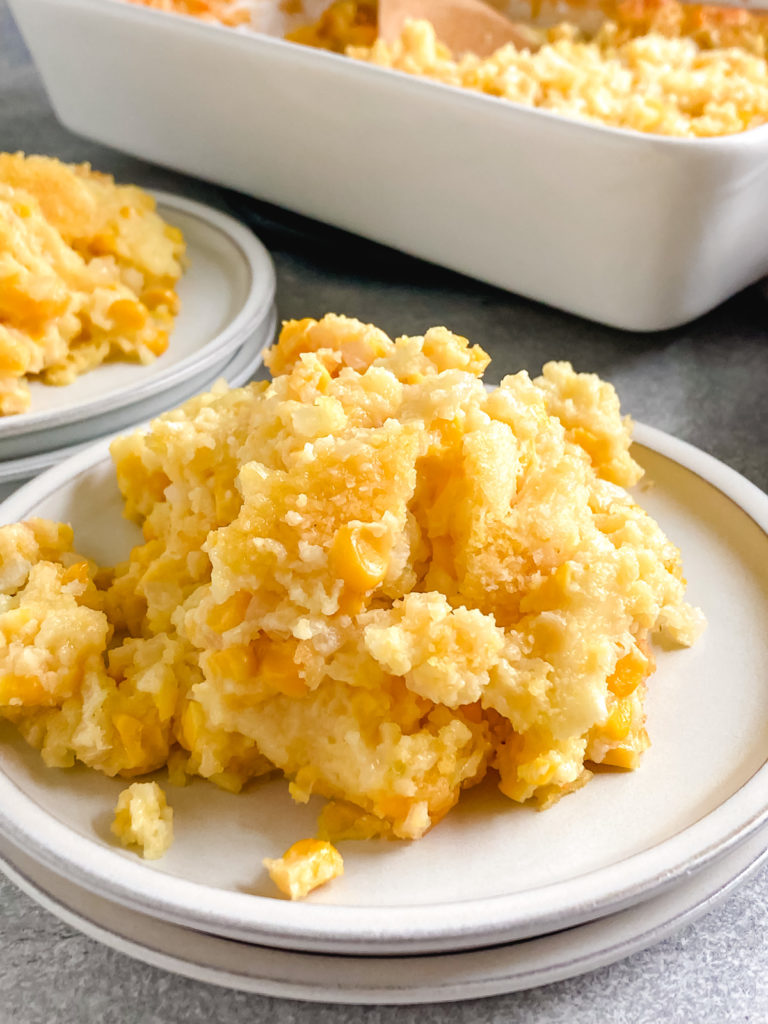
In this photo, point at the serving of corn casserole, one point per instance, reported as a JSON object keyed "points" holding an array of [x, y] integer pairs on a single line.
{"points": [[88, 271], [371, 574], [659, 66]]}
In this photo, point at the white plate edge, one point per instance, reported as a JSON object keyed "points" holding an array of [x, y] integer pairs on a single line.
{"points": [[600, 955]]}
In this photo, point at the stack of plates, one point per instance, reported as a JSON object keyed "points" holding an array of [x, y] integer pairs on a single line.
{"points": [[497, 897], [227, 318]]}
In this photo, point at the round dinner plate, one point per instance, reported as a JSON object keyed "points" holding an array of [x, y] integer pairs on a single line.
{"points": [[442, 977], [226, 293], [491, 872], [238, 371]]}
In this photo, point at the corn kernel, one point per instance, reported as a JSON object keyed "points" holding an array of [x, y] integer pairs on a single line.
{"points": [[128, 314], [629, 673], [279, 671], [359, 556], [192, 722], [622, 757], [229, 613], [77, 573], [14, 623], [177, 763], [103, 243], [339, 821], [619, 721], [238, 663], [154, 297], [229, 781], [158, 343], [26, 691], [129, 730], [539, 771], [395, 808]]}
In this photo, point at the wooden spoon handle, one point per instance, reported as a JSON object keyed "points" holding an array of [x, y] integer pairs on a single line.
{"points": [[465, 26]]}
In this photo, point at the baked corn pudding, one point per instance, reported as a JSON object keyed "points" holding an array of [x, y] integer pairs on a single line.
{"points": [[659, 66], [371, 574], [88, 271], [656, 68]]}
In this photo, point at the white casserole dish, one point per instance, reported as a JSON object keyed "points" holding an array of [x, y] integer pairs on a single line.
{"points": [[636, 231]]}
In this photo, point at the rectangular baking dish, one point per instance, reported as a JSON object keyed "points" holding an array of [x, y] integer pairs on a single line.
{"points": [[637, 231]]}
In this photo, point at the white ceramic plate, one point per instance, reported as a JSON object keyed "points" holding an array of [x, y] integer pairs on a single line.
{"points": [[238, 371], [491, 872], [377, 980], [226, 296]]}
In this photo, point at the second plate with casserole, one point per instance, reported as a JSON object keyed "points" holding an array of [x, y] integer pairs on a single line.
{"points": [[491, 872], [226, 292]]}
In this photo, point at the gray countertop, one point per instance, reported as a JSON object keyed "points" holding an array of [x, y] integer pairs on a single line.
{"points": [[706, 382]]}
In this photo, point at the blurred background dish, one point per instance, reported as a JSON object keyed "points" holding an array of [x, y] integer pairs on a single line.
{"points": [[636, 231]]}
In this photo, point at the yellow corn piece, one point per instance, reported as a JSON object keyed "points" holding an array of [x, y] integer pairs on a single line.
{"points": [[103, 243], [14, 623], [305, 866], [158, 343], [76, 573], [598, 448], [165, 698], [229, 781], [359, 557], [619, 721], [154, 297], [394, 808], [177, 763], [229, 613], [128, 314], [129, 730], [539, 771], [279, 671], [192, 723], [627, 755], [24, 691], [238, 663], [630, 671], [550, 593], [346, 821], [622, 757]]}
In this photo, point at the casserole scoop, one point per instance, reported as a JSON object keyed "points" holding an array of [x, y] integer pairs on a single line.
{"points": [[464, 26]]}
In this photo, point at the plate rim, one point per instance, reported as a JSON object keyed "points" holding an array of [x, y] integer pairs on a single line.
{"points": [[252, 313], [605, 949], [454, 925]]}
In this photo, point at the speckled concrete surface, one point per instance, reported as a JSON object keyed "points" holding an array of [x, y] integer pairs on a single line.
{"points": [[706, 383]]}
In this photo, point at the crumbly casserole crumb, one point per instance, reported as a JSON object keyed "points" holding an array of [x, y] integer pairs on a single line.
{"points": [[144, 819]]}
